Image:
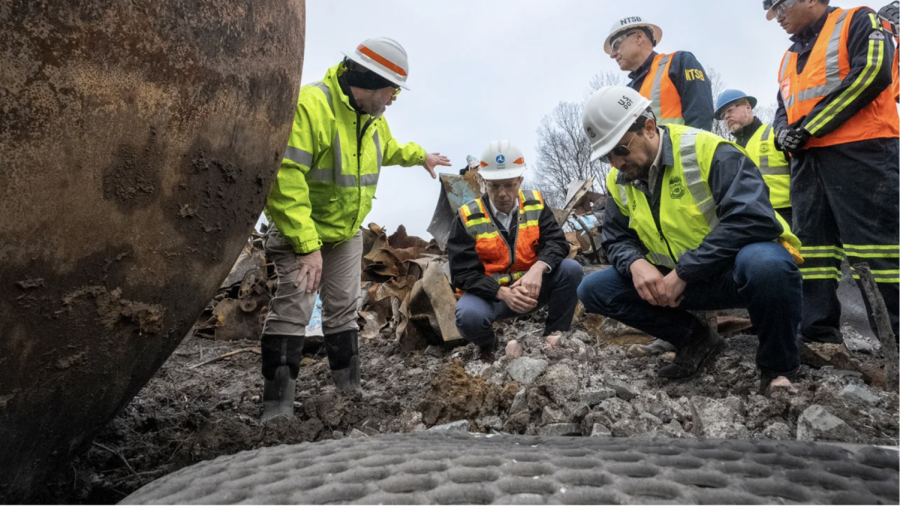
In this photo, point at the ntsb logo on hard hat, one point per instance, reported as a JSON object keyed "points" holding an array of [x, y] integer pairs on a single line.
{"points": [[628, 21]]}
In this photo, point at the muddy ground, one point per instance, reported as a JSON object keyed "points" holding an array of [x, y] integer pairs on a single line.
{"points": [[588, 386]]}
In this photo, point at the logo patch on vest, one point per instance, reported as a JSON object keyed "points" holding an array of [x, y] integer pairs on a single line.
{"points": [[676, 188], [876, 36], [763, 149]]}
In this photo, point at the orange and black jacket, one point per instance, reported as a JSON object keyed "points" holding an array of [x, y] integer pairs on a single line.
{"points": [[467, 270], [871, 52]]}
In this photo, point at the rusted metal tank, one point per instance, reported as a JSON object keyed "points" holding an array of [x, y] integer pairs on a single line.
{"points": [[138, 141]]}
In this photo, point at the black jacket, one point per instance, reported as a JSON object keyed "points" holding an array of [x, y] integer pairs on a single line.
{"points": [[696, 94], [745, 217], [466, 269], [875, 77]]}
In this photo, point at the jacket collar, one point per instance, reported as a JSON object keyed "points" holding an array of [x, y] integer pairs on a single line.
{"points": [[341, 89], [742, 136], [643, 69]]}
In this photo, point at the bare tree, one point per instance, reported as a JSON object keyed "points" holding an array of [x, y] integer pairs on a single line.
{"points": [[564, 151], [719, 128]]}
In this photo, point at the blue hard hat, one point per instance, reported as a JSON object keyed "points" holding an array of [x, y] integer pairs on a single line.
{"points": [[729, 96]]}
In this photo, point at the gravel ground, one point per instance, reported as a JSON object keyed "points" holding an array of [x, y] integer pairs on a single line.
{"points": [[587, 386]]}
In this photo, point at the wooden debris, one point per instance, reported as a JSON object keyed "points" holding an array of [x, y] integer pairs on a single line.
{"points": [[256, 350]]}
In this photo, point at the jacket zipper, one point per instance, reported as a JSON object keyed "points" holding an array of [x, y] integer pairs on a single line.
{"points": [[654, 210]]}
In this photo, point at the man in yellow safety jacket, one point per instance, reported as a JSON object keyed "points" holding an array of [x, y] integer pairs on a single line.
{"points": [[837, 117], [508, 256], [691, 228], [758, 140], [322, 194]]}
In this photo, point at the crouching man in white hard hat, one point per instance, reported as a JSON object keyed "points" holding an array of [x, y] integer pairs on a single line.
{"points": [[692, 228], [508, 256], [324, 189]]}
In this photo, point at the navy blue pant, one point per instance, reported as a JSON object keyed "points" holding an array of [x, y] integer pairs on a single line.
{"points": [[475, 316], [764, 280], [845, 201]]}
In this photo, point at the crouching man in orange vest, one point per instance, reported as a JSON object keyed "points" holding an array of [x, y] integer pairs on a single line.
{"points": [[507, 256]]}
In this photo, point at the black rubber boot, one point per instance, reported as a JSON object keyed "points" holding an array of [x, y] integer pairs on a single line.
{"points": [[703, 345], [280, 366], [343, 358], [487, 352]]}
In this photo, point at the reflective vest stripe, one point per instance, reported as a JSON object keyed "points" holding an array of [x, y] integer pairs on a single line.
{"points": [[821, 273], [832, 68], [656, 90], [693, 178], [874, 61], [298, 156], [327, 91]]}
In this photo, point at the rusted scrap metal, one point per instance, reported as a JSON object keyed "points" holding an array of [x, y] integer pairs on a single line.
{"points": [[882, 324], [251, 257], [574, 193], [455, 192], [406, 288]]}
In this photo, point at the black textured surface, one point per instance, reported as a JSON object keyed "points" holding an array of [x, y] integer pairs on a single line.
{"points": [[464, 468]]}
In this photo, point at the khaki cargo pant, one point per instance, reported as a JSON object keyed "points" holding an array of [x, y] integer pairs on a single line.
{"points": [[291, 309]]}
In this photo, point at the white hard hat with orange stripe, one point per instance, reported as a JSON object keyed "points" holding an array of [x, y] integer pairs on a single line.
{"points": [[384, 56], [501, 160]]}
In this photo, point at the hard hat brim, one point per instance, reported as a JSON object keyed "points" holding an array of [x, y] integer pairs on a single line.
{"points": [[770, 14], [657, 34], [495, 175], [371, 66], [752, 100]]}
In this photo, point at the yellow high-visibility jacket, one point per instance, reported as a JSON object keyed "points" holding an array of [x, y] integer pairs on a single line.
{"points": [[330, 169]]}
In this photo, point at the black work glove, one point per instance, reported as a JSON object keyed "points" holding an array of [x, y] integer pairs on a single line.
{"points": [[792, 140]]}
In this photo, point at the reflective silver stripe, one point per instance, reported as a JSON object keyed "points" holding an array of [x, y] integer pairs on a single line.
{"points": [[832, 65], [623, 196], [784, 67], [660, 259], [694, 179], [764, 167], [340, 179], [481, 228], [655, 91], [298, 156], [372, 179], [327, 91]]}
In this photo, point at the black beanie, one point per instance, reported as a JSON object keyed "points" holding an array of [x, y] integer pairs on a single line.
{"points": [[366, 79]]}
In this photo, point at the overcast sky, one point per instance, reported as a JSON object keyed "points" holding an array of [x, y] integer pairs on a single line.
{"points": [[488, 69]]}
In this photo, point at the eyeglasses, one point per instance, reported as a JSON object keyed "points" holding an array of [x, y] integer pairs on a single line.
{"points": [[397, 91], [783, 7], [502, 186], [619, 151], [619, 40]]}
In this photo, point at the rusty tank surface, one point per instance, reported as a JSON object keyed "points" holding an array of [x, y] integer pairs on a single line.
{"points": [[138, 141]]}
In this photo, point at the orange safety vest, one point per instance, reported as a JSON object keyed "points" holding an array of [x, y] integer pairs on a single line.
{"points": [[827, 66], [660, 90], [499, 261]]}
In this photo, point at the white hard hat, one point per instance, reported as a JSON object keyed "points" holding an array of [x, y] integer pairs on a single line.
{"points": [[384, 56], [608, 114], [501, 160], [626, 24]]}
